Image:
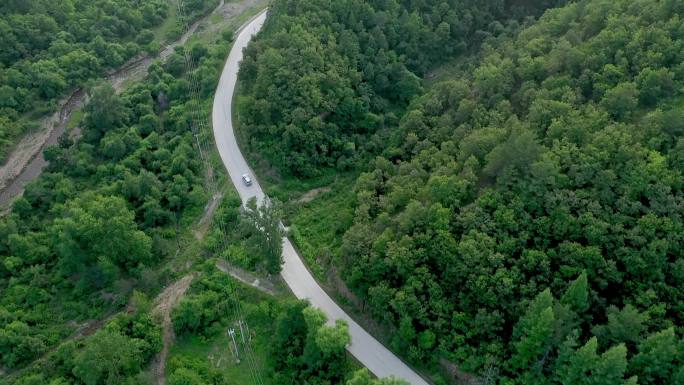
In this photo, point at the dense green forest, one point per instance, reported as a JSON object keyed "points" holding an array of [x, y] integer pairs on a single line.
{"points": [[518, 220], [328, 78], [50, 48], [521, 219]]}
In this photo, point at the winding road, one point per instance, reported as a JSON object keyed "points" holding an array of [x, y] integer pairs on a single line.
{"points": [[378, 359]]}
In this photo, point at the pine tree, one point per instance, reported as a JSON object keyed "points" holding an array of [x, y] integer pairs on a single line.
{"points": [[586, 367], [576, 296]]}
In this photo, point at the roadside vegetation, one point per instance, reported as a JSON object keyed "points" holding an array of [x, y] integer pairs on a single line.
{"points": [[517, 220], [289, 342]]}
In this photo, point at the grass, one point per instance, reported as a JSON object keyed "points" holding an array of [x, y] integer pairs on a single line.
{"points": [[217, 353], [74, 119], [259, 312], [211, 29], [316, 227], [168, 27]]}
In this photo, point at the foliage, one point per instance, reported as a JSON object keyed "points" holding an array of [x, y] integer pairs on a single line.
{"points": [[305, 349], [52, 47], [363, 377], [102, 213], [552, 168], [201, 310], [116, 354], [263, 234], [324, 78]]}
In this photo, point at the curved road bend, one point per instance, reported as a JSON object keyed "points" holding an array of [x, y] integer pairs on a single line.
{"points": [[378, 359]]}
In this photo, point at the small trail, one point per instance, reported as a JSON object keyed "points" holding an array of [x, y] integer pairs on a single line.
{"points": [[247, 278], [164, 304], [313, 194], [205, 221]]}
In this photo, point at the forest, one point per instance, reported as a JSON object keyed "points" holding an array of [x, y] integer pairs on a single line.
{"points": [[516, 213], [105, 212], [51, 48], [521, 217], [332, 75]]}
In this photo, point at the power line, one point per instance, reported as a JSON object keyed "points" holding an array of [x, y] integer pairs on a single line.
{"points": [[199, 127]]}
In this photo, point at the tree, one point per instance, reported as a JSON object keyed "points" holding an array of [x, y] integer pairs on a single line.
{"points": [[266, 238], [658, 359], [323, 356], [654, 85], [626, 325], [363, 377], [586, 367], [517, 152], [107, 358], [305, 349], [104, 111], [577, 294], [621, 100], [99, 232], [535, 330]]}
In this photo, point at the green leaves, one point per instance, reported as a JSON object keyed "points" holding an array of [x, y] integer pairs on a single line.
{"points": [[535, 330], [306, 349], [576, 296], [104, 111], [660, 359], [107, 359], [264, 236], [98, 233], [586, 367], [363, 377]]}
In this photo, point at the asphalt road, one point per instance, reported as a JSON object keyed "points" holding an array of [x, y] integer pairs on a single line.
{"points": [[378, 359]]}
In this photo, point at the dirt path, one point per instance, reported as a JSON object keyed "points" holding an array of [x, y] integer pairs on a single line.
{"points": [[313, 194], [246, 277], [26, 161], [164, 304], [205, 221]]}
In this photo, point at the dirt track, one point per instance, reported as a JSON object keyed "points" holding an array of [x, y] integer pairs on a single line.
{"points": [[164, 304]]}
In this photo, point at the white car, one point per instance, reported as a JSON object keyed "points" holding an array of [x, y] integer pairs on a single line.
{"points": [[247, 179]]}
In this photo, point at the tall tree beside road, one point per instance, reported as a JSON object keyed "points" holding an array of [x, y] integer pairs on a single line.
{"points": [[264, 233]]}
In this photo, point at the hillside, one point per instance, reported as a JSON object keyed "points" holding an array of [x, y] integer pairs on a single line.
{"points": [[521, 218], [325, 81]]}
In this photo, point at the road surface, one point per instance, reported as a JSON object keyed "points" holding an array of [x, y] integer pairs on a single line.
{"points": [[378, 359]]}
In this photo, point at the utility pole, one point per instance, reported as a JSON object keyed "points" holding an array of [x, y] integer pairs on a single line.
{"points": [[231, 332]]}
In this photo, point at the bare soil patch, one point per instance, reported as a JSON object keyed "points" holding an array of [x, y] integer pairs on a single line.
{"points": [[166, 300], [312, 194], [244, 276]]}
